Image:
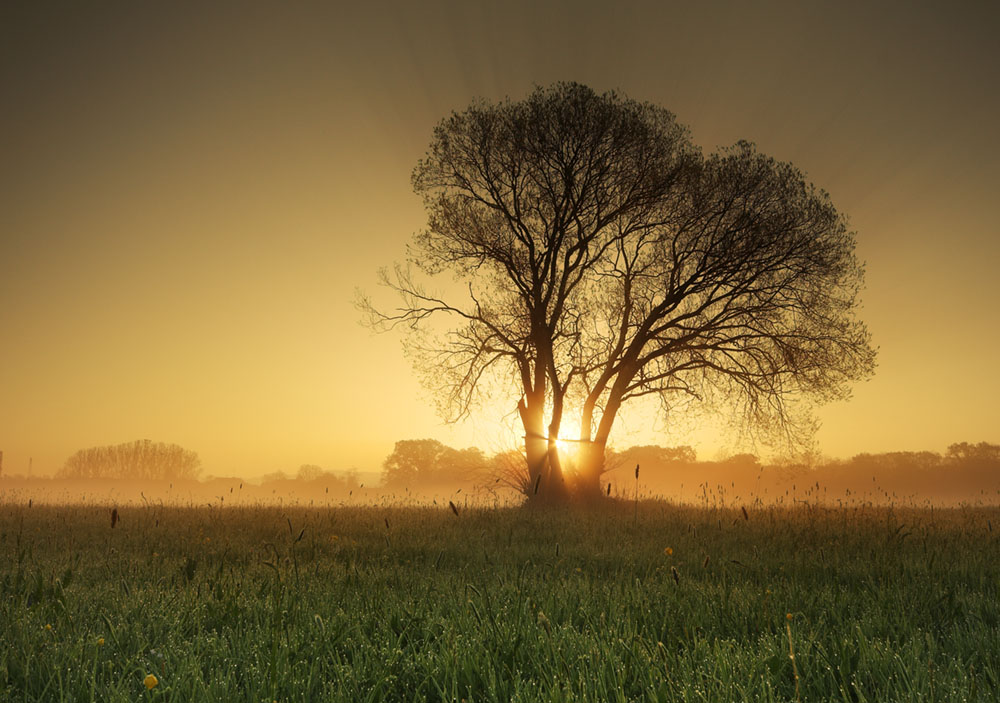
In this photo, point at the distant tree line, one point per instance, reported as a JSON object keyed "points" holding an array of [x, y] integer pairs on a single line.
{"points": [[317, 477], [141, 459], [965, 471]]}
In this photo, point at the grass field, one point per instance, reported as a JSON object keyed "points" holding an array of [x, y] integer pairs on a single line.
{"points": [[659, 603]]}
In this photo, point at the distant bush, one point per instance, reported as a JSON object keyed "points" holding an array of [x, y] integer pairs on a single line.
{"points": [[142, 459]]}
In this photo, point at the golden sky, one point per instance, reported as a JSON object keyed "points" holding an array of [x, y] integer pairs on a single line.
{"points": [[189, 197]]}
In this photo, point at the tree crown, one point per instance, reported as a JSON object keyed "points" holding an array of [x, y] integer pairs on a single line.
{"points": [[602, 256]]}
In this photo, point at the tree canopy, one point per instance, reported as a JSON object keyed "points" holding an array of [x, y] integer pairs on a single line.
{"points": [[141, 459], [422, 464], [604, 258]]}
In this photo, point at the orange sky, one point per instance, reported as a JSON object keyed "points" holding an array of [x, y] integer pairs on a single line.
{"points": [[190, 197]]}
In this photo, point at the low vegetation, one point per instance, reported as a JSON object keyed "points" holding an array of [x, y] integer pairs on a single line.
{"points": [[645, 601]]}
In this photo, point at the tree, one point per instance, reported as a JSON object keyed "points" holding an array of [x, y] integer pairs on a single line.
{"points": [[310, 472], [426, 463], [964, 451], [142, 459], [603, 258]]}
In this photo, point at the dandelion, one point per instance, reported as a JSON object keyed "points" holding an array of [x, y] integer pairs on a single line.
{"points": [[48, 627], [788, 616], [100, 641], [150, 682], [668, 551]]}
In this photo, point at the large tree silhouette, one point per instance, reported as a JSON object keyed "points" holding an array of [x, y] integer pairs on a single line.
{"points": [[602, 258]]}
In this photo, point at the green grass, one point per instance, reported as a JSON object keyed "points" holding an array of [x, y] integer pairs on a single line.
{"points": [[416, 604]]}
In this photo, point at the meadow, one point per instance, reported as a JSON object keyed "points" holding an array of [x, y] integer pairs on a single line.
{"points": [[629, 602]]}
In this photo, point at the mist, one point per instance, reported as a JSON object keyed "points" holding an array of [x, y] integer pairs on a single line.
{"points": [[965, 474]]}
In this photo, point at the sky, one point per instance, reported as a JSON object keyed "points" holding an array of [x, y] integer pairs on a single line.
{"points": [[191, 194]]}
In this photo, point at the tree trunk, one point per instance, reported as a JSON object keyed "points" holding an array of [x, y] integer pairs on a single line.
{"points": [[535, 446], [547, 483], [557, 490], [545, 478], [590, 459], [589, 467]]}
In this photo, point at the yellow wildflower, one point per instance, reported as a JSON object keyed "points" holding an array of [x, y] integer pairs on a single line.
{"points": [[100, 641], [150, 681], [668, 551], [48, 627], [788, 616]]}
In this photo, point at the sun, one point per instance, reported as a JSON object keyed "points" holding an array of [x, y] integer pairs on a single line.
{"points": [[568, 445], [566, 448], [567, 454]]}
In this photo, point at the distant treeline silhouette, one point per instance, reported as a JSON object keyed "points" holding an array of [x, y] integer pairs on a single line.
{"points": [[314, 477], [423, 469], [141, 459], [965, 472]]}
